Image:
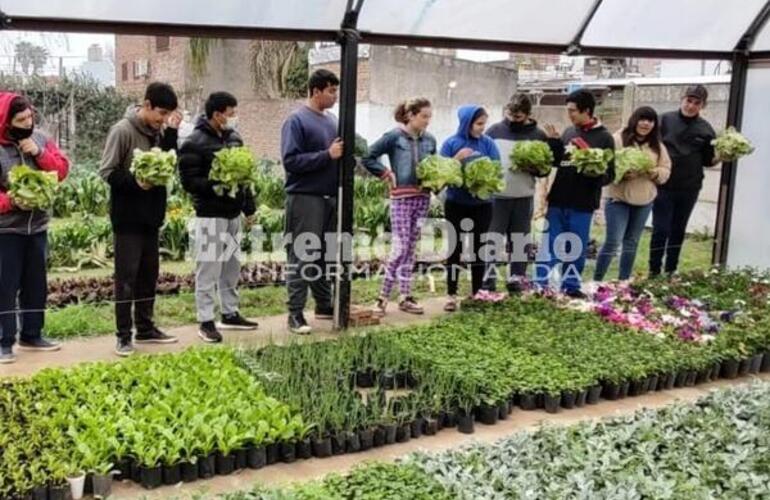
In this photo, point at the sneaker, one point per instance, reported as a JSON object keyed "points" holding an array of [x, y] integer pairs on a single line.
{"points": [[451, 304], [124, 348], [208, 332], [409, 305], [7, 356], [236, 322], [380, 307], [39, 344], [154, 336], [324, 312], [575, 294], [298, 325]]}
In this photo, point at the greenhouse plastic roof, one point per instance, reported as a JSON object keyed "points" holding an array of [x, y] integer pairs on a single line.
{"points": [[710, 28]]}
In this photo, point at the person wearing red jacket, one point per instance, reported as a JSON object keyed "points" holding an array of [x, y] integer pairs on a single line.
{"points": [[23, 231]]}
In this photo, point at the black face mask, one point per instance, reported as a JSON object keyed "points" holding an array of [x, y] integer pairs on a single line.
{"points": [[19, 134]]}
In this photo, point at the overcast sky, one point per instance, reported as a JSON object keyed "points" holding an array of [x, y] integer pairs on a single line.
{"points": [[72, 48]]}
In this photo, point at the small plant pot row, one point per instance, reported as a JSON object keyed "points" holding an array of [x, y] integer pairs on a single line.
{"points": [[387, 380]]}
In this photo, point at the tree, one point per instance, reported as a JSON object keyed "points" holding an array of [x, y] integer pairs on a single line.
{"points": [[31, 56]]}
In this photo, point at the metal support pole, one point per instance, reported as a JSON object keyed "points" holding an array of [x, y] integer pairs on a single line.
{"points": [[348, 40]]}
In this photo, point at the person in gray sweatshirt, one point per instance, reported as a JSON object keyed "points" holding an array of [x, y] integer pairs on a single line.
{"points": [[512, 209]]}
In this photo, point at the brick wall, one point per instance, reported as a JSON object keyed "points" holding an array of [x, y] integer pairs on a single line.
{"points": [[363, 87], [166, 66], [260, 124]]}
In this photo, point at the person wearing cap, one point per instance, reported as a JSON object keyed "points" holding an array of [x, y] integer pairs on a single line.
{"points": [[687, 137]]}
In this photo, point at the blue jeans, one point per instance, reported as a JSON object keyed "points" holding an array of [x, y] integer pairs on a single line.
{"points": [[625, 224], [23, 285], [563, 221]]}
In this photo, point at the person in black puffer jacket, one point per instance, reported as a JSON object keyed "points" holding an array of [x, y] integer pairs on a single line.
{"points": [[687, 137], [137, 212], [218, 217]]}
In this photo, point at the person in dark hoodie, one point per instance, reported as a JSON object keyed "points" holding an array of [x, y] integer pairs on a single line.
{"points": [[310, 149], [23, 231], [463, 210], [512, 209], [687, 136], [218, 218], [573, 198], [137, 211]]}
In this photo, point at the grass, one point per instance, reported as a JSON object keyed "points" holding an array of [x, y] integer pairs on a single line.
{"points": [[98, 319]]}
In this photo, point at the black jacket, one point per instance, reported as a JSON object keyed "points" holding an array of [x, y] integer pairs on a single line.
{"points": [[195, 158], [573, 190], [688, 141]]}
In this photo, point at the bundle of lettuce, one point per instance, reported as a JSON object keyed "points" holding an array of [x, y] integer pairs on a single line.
{"points": [[632, 160], [731, 145], [232, 170], [484, 177], [436, 172], [155, 167], [592, 162], [534, 157], [32, 189]]}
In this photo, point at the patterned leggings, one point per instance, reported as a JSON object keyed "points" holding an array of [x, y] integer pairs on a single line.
{"points": [[405, 215]]}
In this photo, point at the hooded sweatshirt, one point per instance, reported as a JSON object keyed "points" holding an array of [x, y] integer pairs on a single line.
{"points": [[13, 220], [481, 146], [574, 190], [132, 209], [505, 134]]}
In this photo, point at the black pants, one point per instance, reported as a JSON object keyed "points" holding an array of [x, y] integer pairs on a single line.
{"points": [[23, 286], [309, 216], [511, 216], [136, 276], [480, 215], [670, 214]]}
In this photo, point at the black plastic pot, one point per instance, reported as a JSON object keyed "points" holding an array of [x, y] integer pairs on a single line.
{"points": [[40, 492], [568, 399], [624, 389], [703, 376], [134, 472], [487, 414], [465, 422], [431, 427], [387, 381], [188, 472], [594, 393], [439, 418], [670, 381], [730, 368], [635, 389], [256, 457], [240, 459], [366, 438], [580, 398], [123, 467], [88, 487], [378, 438], [352, 442], [528, 401], [652, 383], [449, 419], [716, 370], [102, 485], [207, 466], [403, 433], [611, 391], [503, 410], [552, 403], [765, 367], [58, 492], [417, 426], [172, 474], [743, 367], [391, 430], [225, 464], [151, 477], [692, 376], [288, 452], [681, 378], [304, 449], [338, 443], [365, 379], [322, 448], [272, 452], [756, 363]]}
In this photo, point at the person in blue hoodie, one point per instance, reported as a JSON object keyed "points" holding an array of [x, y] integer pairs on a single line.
{"points": [[464, 211]]}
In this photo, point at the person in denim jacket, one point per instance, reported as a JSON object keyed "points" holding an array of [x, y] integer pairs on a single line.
{"points": [[404, 146]]}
